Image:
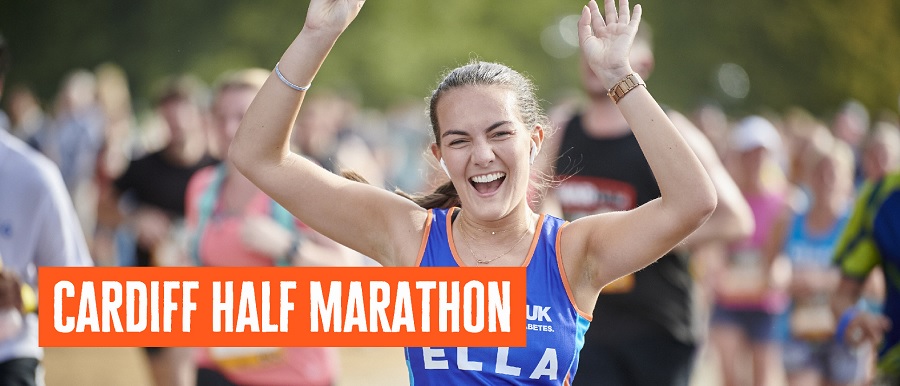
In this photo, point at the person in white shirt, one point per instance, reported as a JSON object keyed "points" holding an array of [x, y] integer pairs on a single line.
{"points": [[38, 227]]}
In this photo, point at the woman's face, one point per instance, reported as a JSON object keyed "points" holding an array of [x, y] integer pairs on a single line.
{"points": [[228, 110], [486, 147]]}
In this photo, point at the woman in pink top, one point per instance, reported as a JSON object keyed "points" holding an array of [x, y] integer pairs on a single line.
{"points": [[749, 293], [233, 223]]}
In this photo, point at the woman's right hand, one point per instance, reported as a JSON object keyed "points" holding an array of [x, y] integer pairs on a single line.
{"points": [[331, 15]]}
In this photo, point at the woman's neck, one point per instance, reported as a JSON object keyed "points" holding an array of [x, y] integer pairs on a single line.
{"points": [[185, 153], [501, 242], [519, 220], [823, 212]]}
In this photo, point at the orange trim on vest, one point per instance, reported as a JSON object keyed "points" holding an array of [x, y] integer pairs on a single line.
{"points": [[424, 238], [534, 239], [562, 274]]}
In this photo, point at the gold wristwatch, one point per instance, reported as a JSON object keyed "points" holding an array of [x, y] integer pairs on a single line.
{"points": [[625, 85]]}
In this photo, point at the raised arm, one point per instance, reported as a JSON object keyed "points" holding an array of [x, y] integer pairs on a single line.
{"points": [[611, 245], [373, 221]]}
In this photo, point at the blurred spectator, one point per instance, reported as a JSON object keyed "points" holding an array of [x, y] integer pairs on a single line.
{"points": [[808, 237], [114, 100], [802, 130], [881, 151], [73, 138], [712, 122], [748, 293], [322, 133], [38, 228], [645, 329], [152, 188], [233, 223], [869, 241], [145, 207], [25, 113], [405, 141], [851, 125]]}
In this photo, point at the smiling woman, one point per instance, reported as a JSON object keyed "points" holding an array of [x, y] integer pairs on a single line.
{"points": [[487, 130]]}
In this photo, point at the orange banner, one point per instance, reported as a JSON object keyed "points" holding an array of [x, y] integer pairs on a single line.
{"points": [[281, 307]]}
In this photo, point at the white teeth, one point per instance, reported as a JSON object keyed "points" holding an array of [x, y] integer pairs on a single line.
{"points": [[488, 177]]}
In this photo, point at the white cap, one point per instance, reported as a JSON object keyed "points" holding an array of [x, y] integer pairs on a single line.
{"points": [[753, 132]]}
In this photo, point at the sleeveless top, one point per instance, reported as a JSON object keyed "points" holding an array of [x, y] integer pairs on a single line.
{"points": [[808, 249], [555, 326]]}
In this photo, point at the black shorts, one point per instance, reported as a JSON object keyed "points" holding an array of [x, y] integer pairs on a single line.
{"points": [[19, 372], [652, 361]]}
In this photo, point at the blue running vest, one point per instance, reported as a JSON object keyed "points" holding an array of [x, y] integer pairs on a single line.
{"points": [[555, 327]]}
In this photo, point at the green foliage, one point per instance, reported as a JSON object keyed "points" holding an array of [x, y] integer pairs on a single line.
{"points": [[812, 53]]}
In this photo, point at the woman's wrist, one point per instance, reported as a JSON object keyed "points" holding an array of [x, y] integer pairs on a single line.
{"points": [[325, 33], [611, 77]]}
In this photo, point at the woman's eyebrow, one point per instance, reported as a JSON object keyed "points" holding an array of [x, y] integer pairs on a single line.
{"points": [[487, 130]]}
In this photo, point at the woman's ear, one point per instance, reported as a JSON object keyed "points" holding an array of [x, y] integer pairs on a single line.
{"points": [[537, 139], [436, 151]]}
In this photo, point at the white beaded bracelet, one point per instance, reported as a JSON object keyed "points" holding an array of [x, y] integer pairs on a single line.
{"points": [[287, 82]]}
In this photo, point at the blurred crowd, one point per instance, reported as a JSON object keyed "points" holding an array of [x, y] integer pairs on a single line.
{"points": [[154, 188]]}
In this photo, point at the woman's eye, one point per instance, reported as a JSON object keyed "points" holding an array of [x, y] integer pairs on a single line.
{"points": [[457, 142], [502, 134]]}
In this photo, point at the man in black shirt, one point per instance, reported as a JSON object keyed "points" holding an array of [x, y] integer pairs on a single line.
{"points": [[152, 193], [644, 330]]}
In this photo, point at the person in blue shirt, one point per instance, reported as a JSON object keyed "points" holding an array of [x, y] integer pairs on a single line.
{"points": [[488, 128], [872, 239]]}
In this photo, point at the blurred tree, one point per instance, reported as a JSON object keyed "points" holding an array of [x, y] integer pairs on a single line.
{"points": [[813, 53]]}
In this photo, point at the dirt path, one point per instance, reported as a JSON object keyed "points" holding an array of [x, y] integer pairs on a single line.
{"points": [[126, 367]]}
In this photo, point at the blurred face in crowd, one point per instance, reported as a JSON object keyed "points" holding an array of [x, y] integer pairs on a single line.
{"points": [[752, 160], [831, 176], [881, 152], [181, 117], [228, 110], [849, 128]]}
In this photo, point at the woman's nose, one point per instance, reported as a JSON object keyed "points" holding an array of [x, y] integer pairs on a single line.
{"points": [[483, 153]]}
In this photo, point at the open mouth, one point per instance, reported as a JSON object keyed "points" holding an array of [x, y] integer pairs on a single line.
{"points": [[488, 183]]}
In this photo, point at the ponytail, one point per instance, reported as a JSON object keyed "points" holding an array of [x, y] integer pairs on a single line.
{"points": [[444, 197]]}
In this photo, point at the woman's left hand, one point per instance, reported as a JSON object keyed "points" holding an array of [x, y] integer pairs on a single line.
{"points": [[606, 41]]}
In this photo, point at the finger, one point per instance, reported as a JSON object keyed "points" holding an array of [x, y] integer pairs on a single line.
{"points": [[636, 16], [611, 16], [623, 11], [597, 21], [584, 25]]}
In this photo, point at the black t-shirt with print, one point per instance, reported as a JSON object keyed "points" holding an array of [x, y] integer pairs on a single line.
{"points": [[612, 174]]}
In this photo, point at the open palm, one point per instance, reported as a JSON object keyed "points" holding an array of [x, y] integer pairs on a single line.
{"points": [[606, 41], [332, 15]]}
